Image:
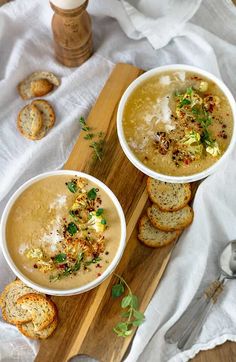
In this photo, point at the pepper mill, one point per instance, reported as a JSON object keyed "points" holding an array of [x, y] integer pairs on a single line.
{"points": [[72, 31]]}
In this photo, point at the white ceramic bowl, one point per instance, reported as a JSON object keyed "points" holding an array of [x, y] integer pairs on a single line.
{"points": [[87, 286], [129, 153]]}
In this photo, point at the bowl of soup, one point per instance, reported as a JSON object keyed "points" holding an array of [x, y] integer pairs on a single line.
{"points": [[63, 232], [176, 123]]}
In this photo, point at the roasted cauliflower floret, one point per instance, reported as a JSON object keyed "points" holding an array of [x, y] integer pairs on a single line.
{"points": [[34, 253], [98, 223]]}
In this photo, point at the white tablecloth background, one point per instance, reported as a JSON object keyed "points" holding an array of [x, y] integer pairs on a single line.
{"points": [[154, 33]]}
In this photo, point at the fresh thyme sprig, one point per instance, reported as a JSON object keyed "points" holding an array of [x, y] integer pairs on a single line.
{"points": [[97, 147], [98, 144], [131, 317]]}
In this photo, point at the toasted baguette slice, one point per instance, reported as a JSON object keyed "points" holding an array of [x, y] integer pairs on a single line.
{"points": [[24, 87], [168, 196], [11, 311], [40, 87], [153, 237], [170, 220], [29, 121], [28, 330], [47, 114], [42, 310]]}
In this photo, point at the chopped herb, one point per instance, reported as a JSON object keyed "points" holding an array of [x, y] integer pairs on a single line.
{"points": [[206, 138], [72, 228], [72, 214], [72, 186], [59, 258], [92, 194], [99, 212], [103, 221], [205, 120], [93, 261], [68, 270], [132, 316], [184, 102], [195, 111], [65, 273], [77, 265], [189, 91]]}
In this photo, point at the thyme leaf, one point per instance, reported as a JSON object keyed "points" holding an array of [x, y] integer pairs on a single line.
{"points": [[98, 144]]}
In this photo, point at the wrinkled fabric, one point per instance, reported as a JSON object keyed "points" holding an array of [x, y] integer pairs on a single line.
{"points": [[147, 34]]}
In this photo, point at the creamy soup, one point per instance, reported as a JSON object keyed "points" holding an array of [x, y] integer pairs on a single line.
{"points": [[178, 123], [63, 232]]}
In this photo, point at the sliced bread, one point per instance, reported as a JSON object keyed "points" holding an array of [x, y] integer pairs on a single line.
{"points": [[28, 330], [26, 91], [40, 87], [168, 196], [47, 114], [29, 121], [153, 237], [170, 220], [11, 311], [42, 310]]}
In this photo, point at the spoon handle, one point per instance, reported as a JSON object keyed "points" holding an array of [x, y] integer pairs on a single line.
{"points": [[186, 323], [190, 337]]}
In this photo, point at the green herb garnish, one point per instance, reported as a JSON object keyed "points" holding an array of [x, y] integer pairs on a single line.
{"points": [[72, 214], [103, 221], [184, 102], [206, 138], [77, 265], [60, 258], [205, 120], [68, 270], [72, 186], [72, 228], [92, 261], [89, 136], [99, 212], [132, 317], [83, 124], [97, 147], [189, 91], [65, 273], [92, 194]]}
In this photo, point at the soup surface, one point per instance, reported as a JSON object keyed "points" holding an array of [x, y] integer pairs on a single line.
{"points": [[178, 123], [63, 232]]}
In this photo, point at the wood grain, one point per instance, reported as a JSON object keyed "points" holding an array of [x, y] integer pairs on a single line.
{"points": [[86, 320]]}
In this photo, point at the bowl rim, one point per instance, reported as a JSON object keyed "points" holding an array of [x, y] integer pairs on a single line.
{"points": [[136, 162], [73, 291]]}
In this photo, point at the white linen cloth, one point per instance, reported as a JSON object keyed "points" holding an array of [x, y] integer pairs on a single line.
{"points": [[149, 33]]}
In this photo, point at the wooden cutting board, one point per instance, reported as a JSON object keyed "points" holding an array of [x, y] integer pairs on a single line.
{"points": [[86, 321]]}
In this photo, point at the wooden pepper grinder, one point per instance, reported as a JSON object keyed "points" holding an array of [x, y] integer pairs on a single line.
{"points": [[72, 31]]}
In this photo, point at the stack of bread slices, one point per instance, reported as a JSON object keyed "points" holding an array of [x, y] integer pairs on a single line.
{"points": [[168, 215], [36, 119], [33, 313]]}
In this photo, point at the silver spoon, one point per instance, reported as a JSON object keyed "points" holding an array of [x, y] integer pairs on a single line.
{"points": [[187, 328]]}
